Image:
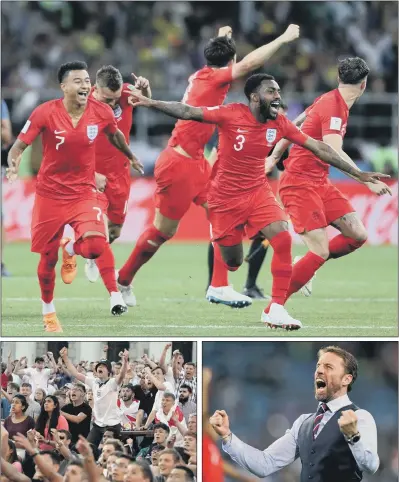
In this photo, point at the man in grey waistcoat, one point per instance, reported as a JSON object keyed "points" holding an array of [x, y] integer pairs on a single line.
{"points": [[336, 443]]}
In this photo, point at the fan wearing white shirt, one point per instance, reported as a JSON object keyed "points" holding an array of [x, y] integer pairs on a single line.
{"points": [[105, 394], [337, 443], [39, 375], [157, 377], [128, 406]]}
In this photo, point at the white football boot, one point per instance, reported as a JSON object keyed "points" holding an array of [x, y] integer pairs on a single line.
{"points": [[126, 291], [278, 317], [91, 270], [226, 295], [306, 290], [117, 304]]}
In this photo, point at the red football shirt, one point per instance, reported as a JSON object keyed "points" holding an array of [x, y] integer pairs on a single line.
{"points": [[212, 463], [244, 144], [206, 87], [109, 160], [327, 115], [68, 164]]}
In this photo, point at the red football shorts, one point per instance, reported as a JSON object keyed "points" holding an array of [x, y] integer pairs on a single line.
{"points": [[50, 216], [311, 204], [249, 214], [115, 199], [180, 181]]}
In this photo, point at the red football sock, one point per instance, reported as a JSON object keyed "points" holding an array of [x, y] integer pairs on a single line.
{"points": [[147, 245], [106, 265], [220, 273], [304, 270], [46, 275], [90, 247], [341, 245], [281, 266]]}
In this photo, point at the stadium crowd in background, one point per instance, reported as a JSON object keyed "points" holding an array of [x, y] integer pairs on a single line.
{"points": [[122, 421], [167, 48]]}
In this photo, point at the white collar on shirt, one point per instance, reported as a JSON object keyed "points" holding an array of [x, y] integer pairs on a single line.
{"points": [[337, 403]]}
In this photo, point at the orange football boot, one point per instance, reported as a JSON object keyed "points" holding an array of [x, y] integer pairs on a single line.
{"points": [[69, 267], [51, 323]]}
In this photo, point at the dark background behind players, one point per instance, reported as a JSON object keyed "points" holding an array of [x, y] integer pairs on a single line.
{"points": [[164, 43], [263, 399]]}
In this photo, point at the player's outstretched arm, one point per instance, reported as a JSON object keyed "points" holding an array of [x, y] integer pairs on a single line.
{"points": [[254, 60], [329, 155], [118, 140], [14, 159]]}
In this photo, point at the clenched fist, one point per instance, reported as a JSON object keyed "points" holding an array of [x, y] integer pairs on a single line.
{"points": [[291, 33], [220, 423], [348, 423]]}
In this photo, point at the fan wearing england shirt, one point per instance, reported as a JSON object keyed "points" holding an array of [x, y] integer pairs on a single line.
{"points": [[171, 414], [105, 394], [128, 406], [38, 376], [240, 200]]}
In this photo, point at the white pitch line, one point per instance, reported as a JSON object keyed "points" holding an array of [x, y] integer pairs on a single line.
{"points": [[202, 300], [195, 327]]}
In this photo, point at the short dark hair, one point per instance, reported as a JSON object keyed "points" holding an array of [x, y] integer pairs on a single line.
{"points": [[187, 387], [117, 444], [26, 384], [64, 70], [39, 359], [352, 70], [13, 385], [190, 363], [23, 401], [118, 363], [158, 448], [146, 469], [187, 470], [219, 51], [123, 455], [161, 426], [175, 453], [350, 362], [169, 395], [54, 456], [252, 84], [190, 434], [130, 386], [158, 368], [76, 462], [110, 77]]}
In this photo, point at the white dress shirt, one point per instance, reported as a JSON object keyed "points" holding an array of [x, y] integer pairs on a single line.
{"points": [[284, 450]]}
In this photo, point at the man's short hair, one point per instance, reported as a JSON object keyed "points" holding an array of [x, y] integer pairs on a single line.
{"points": [[130, 386], [162, 426], [64, 70], [219, 51], [190, 434], [26, 384], [169, 395], [54, 456], [158, 368], [190, 363], [253, 83], [118, 363], [352, 70], [146, 469], [76, 462], [39, 359], [187, 387], [110, 77], [59, 393], [189, 473], [350, 362], [79, 386], [175, 453], [123, 455], [13, 385], [117, 444], [158, 448]]}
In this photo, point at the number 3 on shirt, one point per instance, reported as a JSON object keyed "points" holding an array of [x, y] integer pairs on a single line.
{"points": [[240, 142]]}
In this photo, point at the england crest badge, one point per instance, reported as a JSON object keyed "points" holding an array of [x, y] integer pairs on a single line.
{"points": [[271, 135], [92, 132]]}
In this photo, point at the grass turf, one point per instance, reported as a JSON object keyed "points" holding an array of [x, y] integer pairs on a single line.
{"points": [[353, 296]]}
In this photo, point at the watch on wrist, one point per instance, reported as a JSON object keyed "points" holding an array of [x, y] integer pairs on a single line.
{"points": [[353, 438]]}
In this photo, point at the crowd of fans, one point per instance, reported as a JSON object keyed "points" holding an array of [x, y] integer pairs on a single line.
{"points": [[124, 421], [263, 399]]}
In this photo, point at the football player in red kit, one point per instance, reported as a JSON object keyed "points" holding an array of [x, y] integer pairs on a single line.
{"points": [[239, 197], [182, 172], [309, 198], [65, 190]]}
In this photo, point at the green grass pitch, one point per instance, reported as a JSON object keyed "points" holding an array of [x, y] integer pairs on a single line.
{"points": [[353, 296]]}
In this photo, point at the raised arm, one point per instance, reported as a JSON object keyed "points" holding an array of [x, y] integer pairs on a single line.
{"points": [[9, 365], [84, 448], [162, 360], [125, 361], [70, 366], [6, 395], [17, 369], [256, 59], [54, 367], [155, 381], [329, 155], [118, 140]]}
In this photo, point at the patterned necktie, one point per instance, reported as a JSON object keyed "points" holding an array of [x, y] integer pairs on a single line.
{"points": [[319, 415]]}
